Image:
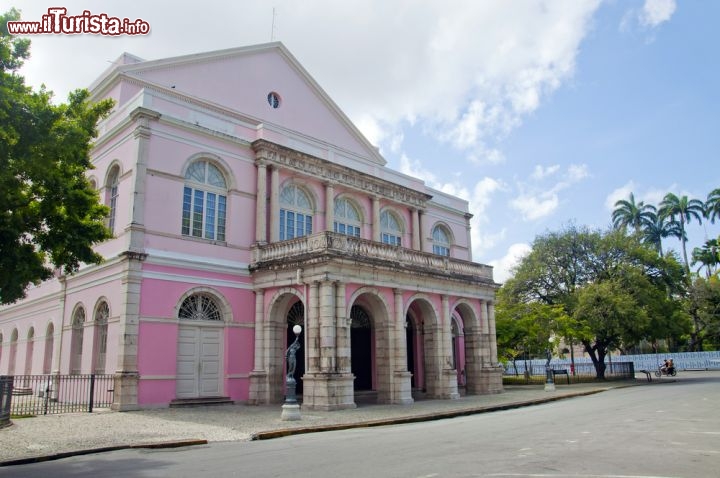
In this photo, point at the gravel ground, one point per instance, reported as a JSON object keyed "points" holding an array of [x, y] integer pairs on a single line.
{"points": [[52, 434]]}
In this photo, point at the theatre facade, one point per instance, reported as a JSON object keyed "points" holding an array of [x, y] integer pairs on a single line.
{"points": [[243, 202]]}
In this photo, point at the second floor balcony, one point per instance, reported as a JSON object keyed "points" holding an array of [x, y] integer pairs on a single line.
{"points": [[329, 246]]}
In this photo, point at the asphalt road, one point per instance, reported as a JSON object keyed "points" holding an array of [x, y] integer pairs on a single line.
{"points": [[668, 430]]}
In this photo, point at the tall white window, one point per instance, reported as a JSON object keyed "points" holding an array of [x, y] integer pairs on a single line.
{"points": [[204, 202], [76, 340], [29, 351], [347, 218], [13, 352], [49, 347], [101, 330], [295, 213], [390, 230], [113, 182], [441, 241]]}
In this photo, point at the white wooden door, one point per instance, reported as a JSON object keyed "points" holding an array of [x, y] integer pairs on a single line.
{"points": [[199, 362]]}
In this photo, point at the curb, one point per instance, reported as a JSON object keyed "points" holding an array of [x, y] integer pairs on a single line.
{"points": [[89, 451], [268, 435]]}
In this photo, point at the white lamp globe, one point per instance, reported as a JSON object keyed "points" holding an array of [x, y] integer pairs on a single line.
{"points": [[297, 329]]}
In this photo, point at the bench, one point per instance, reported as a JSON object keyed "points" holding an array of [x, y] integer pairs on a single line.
{"points": [[561, 372], [647, 373]]}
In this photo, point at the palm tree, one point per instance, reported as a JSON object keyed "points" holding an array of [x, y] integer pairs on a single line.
{"points": [[657, 229], [712, 205], [707, 256], [629, 213], [685, 209]]}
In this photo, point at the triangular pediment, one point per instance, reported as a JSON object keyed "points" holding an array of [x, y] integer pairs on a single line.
{"points": [[264, 82]]}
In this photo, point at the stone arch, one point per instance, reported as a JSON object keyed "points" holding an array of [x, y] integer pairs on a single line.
{"points": [[13, 351], [279, 307], [371, 345], [77, 324], [424, 342], [309, 192]]}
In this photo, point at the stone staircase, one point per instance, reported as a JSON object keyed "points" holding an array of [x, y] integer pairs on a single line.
{"points": [[200, 402]]}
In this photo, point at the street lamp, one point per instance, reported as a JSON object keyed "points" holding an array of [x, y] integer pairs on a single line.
{"points": [[291, 408], [549, 383]]}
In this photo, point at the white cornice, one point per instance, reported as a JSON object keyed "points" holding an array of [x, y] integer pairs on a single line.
{"points": [[199, 263]]}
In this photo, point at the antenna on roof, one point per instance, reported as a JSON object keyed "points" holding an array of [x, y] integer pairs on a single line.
{"points": [[272, 31]]}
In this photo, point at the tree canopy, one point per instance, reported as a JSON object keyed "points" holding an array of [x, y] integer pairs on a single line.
{"points": [[614, 288], [50, 215]]}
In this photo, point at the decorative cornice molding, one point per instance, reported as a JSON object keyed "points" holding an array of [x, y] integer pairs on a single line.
{"points": [[324, 170]]}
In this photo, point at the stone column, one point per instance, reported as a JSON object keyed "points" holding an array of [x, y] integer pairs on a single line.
{"points": [[312, 353], [261, 204], [402, 384], [274, 204], [327, 326], [415, 229], [492, 337], [421, 228], [342, 331], [126, 375], [329, 206], [141, 135], [449, 374], [259, 386], [376, 218]]}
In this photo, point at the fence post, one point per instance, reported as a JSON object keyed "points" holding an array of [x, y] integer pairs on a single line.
{"points": [[92, 392], [6, 387]]}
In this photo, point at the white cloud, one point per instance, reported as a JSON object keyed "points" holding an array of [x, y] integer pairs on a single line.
{"points": [[655, 12], [538, 199], [651, 196], [467, 74], [503, 266], [541, 172], [619, 194]]}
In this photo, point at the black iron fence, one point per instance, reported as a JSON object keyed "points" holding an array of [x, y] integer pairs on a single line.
{"points": [[5, 396], [566, 373], [46, 394]]}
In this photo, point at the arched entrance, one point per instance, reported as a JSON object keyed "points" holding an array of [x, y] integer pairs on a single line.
{"points": [[199, 347], [361, 335], [296, 316], [423, 359]]}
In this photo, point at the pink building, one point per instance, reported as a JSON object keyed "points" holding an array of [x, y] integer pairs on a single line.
{"points": [[243, 202]]}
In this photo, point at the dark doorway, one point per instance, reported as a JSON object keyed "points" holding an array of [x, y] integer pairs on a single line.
{"points": [[410, 340], [296, 316], [361, 348]]}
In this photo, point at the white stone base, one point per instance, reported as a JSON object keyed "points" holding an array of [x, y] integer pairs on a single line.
{"points": [[549, 386], [290, 412]]}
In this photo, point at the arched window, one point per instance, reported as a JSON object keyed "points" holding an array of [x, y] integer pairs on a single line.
{"points": [[13, 352], [204, 201], [347, 218], [76, 340], [295, 213], [441, 241], [390, 230], [101, 329], [49, 348], [111, 196], [29, 350], [200, 307]]}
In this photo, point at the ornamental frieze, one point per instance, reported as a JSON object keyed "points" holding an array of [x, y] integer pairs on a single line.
{"points": [[325, 170]]}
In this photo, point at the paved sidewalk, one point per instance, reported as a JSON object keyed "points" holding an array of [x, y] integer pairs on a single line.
{"points": [[56, 436]]}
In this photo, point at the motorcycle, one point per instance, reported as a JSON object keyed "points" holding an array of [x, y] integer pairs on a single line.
{"points": [[668, 371]]}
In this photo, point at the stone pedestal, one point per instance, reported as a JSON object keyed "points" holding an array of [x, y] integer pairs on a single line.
{"points": [[328, 391], [126, 391], [290, 412], [402, 388], [259, 388], [488, 380], [449, 384]]}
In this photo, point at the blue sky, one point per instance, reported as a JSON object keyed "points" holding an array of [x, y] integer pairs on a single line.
{"points": [[538, 113]]}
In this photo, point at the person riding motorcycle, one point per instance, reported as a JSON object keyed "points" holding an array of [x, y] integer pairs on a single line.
{"points": [[667, 367]]}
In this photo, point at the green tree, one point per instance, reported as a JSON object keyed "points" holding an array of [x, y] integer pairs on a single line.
{"points": [[50, 216], [712, 205], [708, 256], [629, 213], [573, 268], [659, 228], [685, 210], [702, 304]]}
